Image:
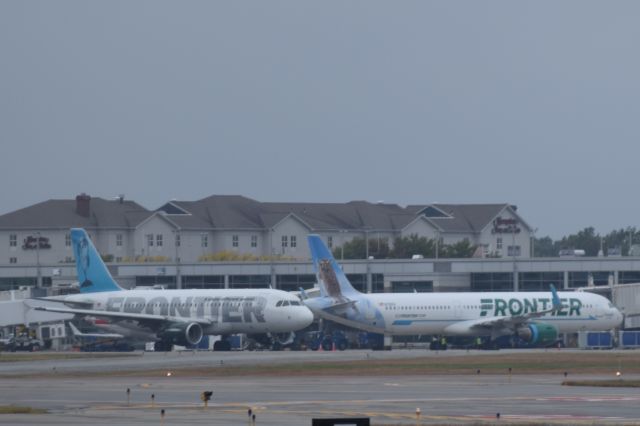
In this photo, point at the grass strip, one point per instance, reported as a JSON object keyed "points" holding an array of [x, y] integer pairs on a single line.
{"points": [[46, 356], [612, 383], [17, 409]]}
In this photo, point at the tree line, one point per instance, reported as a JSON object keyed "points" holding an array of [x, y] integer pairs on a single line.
{"points": [[403, 248], [615, 242]]}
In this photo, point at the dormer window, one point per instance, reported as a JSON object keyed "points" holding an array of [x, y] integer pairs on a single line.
{"points": [[434, 212]]}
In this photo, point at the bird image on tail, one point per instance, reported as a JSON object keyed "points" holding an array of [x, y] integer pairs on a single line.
{"points": [[329, 278], [93, 274]]}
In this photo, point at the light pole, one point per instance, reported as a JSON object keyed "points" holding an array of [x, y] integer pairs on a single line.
{"points": [[369, 280], [177, 244], [272, 266], [148, 258], [366, 244], [39, 279], [342, 232], [533, 242]]}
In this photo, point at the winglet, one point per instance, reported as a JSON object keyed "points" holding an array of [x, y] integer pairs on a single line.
{"points": [[555, 300], [74, 329], [303, 294]]}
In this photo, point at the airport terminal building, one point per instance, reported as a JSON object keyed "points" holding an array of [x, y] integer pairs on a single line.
{"points": [[172, 246]]}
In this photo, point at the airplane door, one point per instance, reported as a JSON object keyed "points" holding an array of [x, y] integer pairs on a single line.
{"points": [[457, 309]]}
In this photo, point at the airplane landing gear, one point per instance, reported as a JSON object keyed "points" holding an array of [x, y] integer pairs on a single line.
{"points": [[162, 346], [222, 345]]}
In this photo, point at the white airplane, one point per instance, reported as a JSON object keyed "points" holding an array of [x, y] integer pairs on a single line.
{"points": [[180, 317], [535, 317]]}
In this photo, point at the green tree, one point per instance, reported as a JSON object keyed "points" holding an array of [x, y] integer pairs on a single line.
{"points": [[461, 249], [586, 240], [621, 238], [544, 247], [356, 249], [405, 247]]}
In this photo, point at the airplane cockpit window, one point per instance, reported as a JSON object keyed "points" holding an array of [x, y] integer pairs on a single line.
{"points": [[279, 303], [285, 303], [295, 303]]}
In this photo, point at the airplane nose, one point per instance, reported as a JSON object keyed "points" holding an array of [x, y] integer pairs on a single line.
{"points": [[306, 317]]}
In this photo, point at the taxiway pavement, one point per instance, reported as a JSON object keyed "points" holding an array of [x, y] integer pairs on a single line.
{"points": [[443, 399]]}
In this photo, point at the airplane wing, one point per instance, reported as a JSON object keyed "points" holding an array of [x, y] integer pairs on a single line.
{"points": [[54, 299], [122, 315], [341, 306], [78, 333]]}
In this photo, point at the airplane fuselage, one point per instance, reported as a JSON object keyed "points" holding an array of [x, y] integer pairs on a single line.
{"points": [[226, 311], [437, 313]]}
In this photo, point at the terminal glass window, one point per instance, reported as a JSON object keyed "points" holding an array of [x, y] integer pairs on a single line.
{"points": [[540, 281], [293, 282], [13, 240], [249, 281], [166, 281], [626, 277], [492, 281], [578, 279], [203, 281], [377, 283], [601, 277], [412, 286], [358, 281]]}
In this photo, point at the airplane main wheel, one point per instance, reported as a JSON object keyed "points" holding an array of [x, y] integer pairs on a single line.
{"points": [[222, 346], [327, 345], [162, 346]]}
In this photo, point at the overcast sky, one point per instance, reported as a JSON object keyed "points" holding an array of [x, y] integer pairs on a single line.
{"points": [[530, 103]]}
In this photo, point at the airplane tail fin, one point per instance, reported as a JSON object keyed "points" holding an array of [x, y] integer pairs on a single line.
{"points": [[555, 300], [93, 274], [332, 281]]}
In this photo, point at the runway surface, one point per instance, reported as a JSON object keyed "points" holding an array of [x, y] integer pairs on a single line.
{"points": [[442, 399]]}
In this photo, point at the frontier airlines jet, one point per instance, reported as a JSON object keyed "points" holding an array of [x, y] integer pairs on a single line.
{"points": [[179, 317], [535, 317]]}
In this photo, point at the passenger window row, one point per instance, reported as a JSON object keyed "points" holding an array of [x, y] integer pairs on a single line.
{"points": [[287, 303]]}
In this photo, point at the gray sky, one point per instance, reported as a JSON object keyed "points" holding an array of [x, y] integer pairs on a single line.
{"points": [[531, 103]]}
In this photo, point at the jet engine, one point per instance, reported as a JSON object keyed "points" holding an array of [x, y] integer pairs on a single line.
{"points": [[182, 334], [538, 334]]}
